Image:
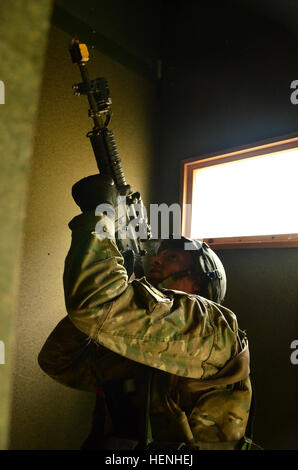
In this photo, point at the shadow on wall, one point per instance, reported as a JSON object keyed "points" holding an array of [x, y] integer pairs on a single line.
{"points": [[262, 291]]}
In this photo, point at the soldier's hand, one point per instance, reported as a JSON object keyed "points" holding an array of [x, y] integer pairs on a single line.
{"points": [[93, 190]]}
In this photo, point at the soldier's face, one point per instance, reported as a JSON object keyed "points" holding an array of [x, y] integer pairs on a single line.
{"points": [[168, 262]]}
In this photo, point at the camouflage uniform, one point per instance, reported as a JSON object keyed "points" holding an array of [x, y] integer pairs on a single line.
{"points": [[201, 390]]}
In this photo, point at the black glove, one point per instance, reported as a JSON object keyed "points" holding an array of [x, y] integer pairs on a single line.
{"points": [[93, 190]]}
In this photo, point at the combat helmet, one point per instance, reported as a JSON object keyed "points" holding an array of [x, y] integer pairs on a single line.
{"points": [[207, 266]]}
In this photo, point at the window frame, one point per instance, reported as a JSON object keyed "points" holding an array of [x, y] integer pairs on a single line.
{"points": [[188, 166]]}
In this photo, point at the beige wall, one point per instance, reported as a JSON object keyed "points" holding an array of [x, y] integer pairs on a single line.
{"points": [[46, 415], [23, 32]]}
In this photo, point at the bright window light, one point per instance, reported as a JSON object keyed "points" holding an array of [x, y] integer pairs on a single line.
{"points": [[248, 197]]}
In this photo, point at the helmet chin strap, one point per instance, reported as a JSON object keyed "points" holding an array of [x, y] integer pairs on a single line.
{"points": [[173, 278], [211, 275]]}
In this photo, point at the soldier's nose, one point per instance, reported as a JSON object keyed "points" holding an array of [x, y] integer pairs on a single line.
{"points": [[155, 261]]}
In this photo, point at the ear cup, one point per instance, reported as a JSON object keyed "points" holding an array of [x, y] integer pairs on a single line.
{"points": [[214, 273]]}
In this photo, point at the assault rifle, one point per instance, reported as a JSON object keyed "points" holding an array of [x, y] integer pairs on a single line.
{"points": [[109, 163]]}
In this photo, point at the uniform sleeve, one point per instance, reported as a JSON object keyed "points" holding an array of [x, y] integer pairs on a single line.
{"points": [[71, 358], [177, 333]]}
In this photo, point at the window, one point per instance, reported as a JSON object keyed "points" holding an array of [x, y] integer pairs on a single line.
{"points": [[243, 198]]}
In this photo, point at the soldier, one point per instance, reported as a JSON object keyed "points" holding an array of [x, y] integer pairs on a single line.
{"points": [[169, 363]]}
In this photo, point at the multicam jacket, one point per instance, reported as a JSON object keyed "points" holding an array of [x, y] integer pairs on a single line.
{"points": [[201, 390]]}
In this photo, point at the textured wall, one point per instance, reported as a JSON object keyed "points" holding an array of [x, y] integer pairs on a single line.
{"points": [[23, 37], [47, 415]]}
